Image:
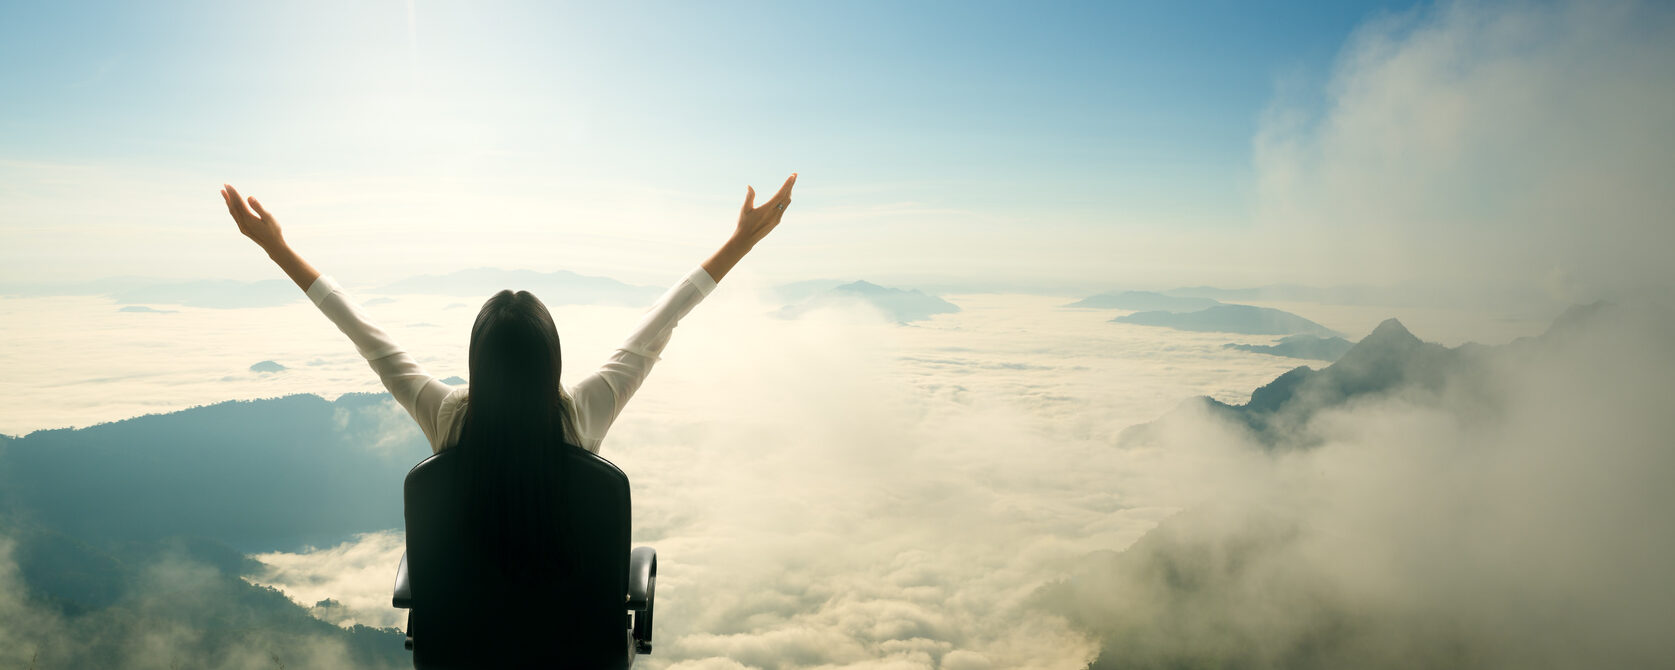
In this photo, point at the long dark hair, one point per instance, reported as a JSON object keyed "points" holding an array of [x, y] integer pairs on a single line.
{"points": [[517, 422]]}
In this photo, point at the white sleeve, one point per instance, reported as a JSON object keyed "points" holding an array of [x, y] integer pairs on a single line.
{"points": [[417, 392], [600, 397]]}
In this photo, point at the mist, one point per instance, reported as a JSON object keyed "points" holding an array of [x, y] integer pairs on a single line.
{"points": [[840, 490], [1480, 146], [174, 608], [867, 494], [1512, 518]]}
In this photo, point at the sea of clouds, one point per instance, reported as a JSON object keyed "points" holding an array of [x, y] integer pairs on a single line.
{"points": [[841, 492], [835, 489]]}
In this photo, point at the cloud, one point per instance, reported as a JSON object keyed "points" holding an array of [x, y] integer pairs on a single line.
{"points": [[27, 632], [359, 574], [1512, 518], [170, 610], [842, 493], [821, 496], [834, 493], [1488, 143]]}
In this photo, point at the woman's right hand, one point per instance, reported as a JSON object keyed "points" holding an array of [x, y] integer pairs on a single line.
{"points": [[260, 226], [263, 229], [756, 222]]}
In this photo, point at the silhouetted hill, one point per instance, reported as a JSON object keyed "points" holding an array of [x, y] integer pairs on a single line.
{"points": [[1301, 346], [1331, 295], [172, 602], [123, 533], [260, 475], [553, 288], [1408, 294], [795, 292], [901, 306], [1575, 321], [1144, 301], [1388, 359], [1243, 319], [267, 366]]}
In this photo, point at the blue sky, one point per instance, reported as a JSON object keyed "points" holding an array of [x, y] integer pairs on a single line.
{"points": [[1054, 99], [630, 129]]}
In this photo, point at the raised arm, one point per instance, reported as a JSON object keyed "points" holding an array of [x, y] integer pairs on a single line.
{"points": [[601, 396], [754, 224], [417, 392]]}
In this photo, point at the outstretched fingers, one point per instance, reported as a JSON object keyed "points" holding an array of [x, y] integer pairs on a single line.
{"points": [[784, 194], [779, 200], [234, 207], [235, 203]]}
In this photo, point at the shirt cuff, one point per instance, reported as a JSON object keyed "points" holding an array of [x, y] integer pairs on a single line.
{"points": [[321, 288], [701, 279]]}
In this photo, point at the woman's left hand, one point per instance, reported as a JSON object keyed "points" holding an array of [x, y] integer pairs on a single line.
{"points": [[263, 229], [258, 225]]}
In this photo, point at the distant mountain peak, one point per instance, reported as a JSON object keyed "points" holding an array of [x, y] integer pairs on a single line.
{"points": [[1391, 331], [1301, 346], [1385, 349], [901, 305], [1387, 359], [1246, 319], [1576, 316], [1143, 301]]}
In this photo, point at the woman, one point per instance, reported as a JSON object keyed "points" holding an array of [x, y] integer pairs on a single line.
{"points": [[515, 401]]}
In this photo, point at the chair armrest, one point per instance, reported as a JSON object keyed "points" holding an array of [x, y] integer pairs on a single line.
{"points": [[403, 588], [642, 594], [642, 577]]}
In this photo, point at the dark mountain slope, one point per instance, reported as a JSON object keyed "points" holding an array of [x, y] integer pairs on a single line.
{"points": [[261, 475]]}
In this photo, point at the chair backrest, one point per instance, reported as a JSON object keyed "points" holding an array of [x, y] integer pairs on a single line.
{"points": [[469, 611]]}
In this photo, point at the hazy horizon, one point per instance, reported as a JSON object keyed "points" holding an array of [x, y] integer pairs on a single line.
{"points": [[951, 469], [113, 385]]}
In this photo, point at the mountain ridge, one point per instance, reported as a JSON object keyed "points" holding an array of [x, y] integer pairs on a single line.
{"points": [[1142, 301], [1309, 347], [1390, 357], [1242, 319], [900, 305], [1176, 596]]}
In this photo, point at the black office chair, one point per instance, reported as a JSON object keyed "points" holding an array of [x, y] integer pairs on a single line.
{"points": [[467, 611]]}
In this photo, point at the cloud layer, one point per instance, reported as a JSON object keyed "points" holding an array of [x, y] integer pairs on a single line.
{"points": [[838, 491], [1483, 144], [1512, 518]]}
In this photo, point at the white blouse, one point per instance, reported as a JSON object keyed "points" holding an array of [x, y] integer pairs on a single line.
{"points": [[440, 409]]}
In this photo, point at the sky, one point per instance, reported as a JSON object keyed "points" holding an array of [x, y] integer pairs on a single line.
{"points": [[903, 492], [1021, 145], [1468, 147]]}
